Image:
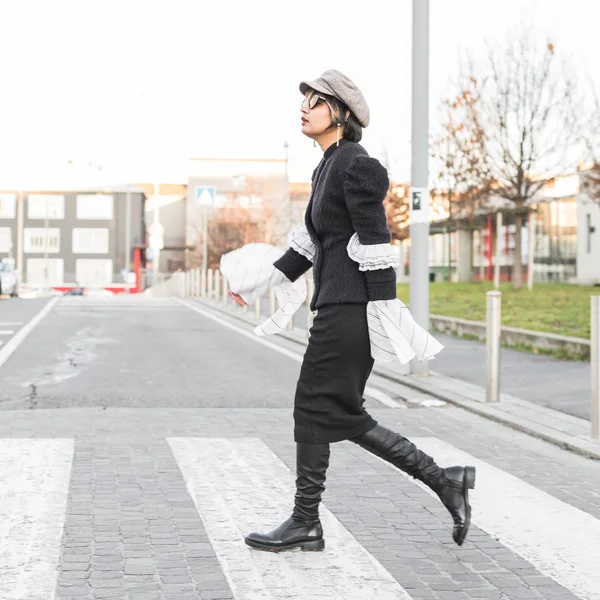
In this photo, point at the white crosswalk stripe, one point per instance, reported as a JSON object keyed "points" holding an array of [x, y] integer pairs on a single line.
{"points": [[241, 486], [561, 541], [33, 498]]}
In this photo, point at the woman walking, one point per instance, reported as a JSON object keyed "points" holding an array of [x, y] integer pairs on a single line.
{"points": [[346, 241]]}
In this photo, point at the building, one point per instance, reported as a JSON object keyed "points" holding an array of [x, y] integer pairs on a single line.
{"points": [[62, 237]]}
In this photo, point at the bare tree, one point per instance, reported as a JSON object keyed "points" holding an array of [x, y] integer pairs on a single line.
{"points": [[397, 210], [526, 110], [590, 180]]}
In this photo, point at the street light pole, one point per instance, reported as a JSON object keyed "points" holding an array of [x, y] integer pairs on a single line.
{"points": [[419, 200]]}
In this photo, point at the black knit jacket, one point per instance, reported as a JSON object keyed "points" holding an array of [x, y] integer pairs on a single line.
{"points": [[348, 188]]}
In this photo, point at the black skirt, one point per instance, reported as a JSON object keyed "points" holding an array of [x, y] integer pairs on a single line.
{"points": [[328, 406]]}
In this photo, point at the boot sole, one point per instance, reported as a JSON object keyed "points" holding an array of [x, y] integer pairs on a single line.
{"points": [[308, 546], [468, 484]]}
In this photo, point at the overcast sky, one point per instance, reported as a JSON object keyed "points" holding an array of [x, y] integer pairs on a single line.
{"points": [[140, 86]]}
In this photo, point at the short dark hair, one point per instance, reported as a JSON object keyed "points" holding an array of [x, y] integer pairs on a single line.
{"points": [[352, 128]]}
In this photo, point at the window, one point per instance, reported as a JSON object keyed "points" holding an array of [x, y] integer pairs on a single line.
{"points": [[95, 206], [5, 239], [40, 206], [90, 241], [8, 206], [36, 271], [40, 239], [93, 271]]}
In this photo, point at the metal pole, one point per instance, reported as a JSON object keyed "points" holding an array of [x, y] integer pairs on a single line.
{"points": [[595, 368], [205, 240], [419, 221], [203, 283], [127, 236], [20, 220], [217, 284], [530, 249], [209, 284], [257, 308], [498, 253], [46, 224], [155, 251], [225, 290], [492, 347]]}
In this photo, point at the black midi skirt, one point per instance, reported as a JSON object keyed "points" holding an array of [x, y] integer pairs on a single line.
{"points": [[328, 405]]}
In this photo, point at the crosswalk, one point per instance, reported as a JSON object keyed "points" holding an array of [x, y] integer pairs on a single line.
{"points": [[239, 485]]}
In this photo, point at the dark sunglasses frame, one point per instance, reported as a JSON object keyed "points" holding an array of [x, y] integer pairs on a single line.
{"points": [[313, 101]]}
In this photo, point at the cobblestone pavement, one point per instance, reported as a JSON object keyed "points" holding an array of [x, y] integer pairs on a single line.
{"points": [[133, 492]]}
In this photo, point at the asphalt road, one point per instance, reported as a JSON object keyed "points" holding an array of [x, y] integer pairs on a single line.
{"points": [[141, 438]]}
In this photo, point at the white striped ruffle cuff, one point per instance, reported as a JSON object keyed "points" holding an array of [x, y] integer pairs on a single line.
{"points": [[394, 334], [250, 273], [372, 257], [299, 240]]}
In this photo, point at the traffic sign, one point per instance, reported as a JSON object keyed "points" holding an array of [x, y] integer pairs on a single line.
{"points": [[205, 195]]}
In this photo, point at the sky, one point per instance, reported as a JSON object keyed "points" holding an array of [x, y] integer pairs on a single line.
{"points": [[139, 87]]}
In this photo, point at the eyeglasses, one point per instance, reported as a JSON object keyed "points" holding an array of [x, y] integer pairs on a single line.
{"points": [[313, 101]]}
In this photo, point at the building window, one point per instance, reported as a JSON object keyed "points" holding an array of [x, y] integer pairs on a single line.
{"points": [[90, 241], [93, 271], [40, 239], [8, 206], [95, 207], [36, 271], [42, 206], [5, 240]]}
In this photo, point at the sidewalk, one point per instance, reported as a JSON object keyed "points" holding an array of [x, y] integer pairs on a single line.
{"points": [[540, 395]]}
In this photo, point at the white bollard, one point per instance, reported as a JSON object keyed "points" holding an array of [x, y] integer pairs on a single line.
{"points": [[203, 283], [272, 307], [217, 285], [492, 347], [595, 367], [498, 253], [225, 291], [257, 308], [209, 284]]}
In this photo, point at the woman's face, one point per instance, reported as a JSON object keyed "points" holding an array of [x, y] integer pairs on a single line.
{"points": [[314, 120]]}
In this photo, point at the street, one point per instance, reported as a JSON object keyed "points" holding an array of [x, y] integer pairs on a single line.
{"points": [[142, 438]]}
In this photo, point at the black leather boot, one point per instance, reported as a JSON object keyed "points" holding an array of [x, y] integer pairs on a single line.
{"points": [[451, 484], [303, 529]]}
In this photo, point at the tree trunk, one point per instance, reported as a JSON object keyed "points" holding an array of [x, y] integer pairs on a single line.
{"points": [[517, 267], [465, 255]]}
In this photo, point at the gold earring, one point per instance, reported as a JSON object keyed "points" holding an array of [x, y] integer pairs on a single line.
{"points": [[338, 135]]}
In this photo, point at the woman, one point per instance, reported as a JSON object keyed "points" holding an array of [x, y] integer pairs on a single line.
{"points": [[347, 243]]}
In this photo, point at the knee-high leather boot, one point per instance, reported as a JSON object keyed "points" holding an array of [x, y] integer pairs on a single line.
{"points": [[303, 528], [451, 484]]}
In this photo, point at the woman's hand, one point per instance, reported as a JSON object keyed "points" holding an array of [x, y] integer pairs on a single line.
{"points": [[237, 299]]}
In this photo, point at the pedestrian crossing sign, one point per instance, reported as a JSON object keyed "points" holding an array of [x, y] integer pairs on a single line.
{"points": [[205, 195]]}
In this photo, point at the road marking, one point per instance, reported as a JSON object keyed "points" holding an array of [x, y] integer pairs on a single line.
{"points": [[33, 499], [240, 486], [11, 323], [382, 397], [369, 391], [20, 336], [561, 541], [6, 331]]}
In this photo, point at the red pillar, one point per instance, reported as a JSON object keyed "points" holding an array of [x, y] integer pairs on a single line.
{"points": [[137, 267], [490, 273]]}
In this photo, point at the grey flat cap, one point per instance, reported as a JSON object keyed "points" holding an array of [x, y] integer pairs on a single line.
{"points": [[336, 84]]}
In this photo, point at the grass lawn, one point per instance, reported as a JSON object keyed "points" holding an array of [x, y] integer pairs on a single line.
{"points": [[551, 307]]}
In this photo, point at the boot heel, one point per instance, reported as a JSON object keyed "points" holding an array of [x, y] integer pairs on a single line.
{"points": [[470, 477], [315, 546]]}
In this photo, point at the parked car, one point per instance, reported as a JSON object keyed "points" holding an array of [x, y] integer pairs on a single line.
{"points": [[8, 280], [76, 291]]}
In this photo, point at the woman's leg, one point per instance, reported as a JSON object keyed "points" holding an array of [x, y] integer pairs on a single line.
{"points": [[450, 484], [303, 528]]}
